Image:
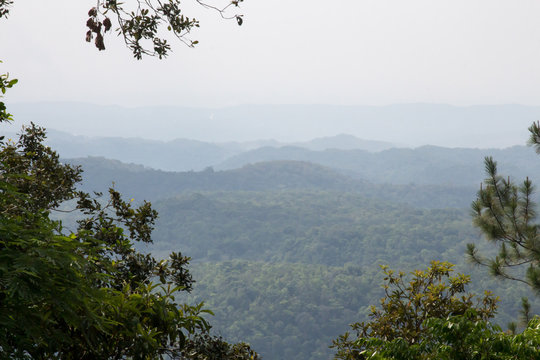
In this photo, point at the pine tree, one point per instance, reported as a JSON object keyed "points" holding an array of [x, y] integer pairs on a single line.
{"points": [[505, 212]]}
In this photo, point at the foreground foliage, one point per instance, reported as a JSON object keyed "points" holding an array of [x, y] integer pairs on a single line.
{"points": [[143, 23], [462, 337], [506, 214], [431, 293], [87, 294], [430, 318]]}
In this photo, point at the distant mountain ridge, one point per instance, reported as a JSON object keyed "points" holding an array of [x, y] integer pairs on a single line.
{"points": [[345, 142], [377, 162], [184, 154], [146, 183], [482, 126], [423, 165]]}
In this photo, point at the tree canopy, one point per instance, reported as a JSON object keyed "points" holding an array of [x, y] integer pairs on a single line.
{"points": [[431, 293], [432, 317], [505, 212]]}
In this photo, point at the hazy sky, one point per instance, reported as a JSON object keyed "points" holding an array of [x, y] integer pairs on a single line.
{"points": [[361, 52]]}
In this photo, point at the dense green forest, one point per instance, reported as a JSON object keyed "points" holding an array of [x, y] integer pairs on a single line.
{"points": [[298, 265], [327, 228], [287, 254], [285, 310]]}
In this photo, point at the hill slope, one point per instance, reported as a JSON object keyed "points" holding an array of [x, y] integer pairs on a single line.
{"points": [[424, 165], [138, 182]]}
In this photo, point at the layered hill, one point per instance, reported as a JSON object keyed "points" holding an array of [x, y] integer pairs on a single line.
{"points": [[423, 165], [139, 182], [186, 154]]}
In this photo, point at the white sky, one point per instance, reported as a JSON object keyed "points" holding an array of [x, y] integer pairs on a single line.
{"points": [[361, 52]]}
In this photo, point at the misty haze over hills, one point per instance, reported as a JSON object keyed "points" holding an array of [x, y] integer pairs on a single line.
{"points": [[185, 154], [490, 126], [367, 160], [164, 137], [344, 154], [376, 161]]}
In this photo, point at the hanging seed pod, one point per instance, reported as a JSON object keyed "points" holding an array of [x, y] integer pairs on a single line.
{"points": [[107, 24], [99, 42]]}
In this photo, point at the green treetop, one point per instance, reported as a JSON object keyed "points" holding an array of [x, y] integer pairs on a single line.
{"points": [[431, 293], [431, 317], [505, 212]]}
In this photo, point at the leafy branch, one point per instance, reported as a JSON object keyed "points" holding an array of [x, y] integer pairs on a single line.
{"points": [[505, 213], [4, 7], [5, 83], [142, 25]]}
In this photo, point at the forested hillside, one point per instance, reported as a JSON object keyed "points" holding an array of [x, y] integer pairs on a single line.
{"points": [[287, 269], [427, 165], [141, 183], [423, 165], [287, 253], [318, 227]]}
